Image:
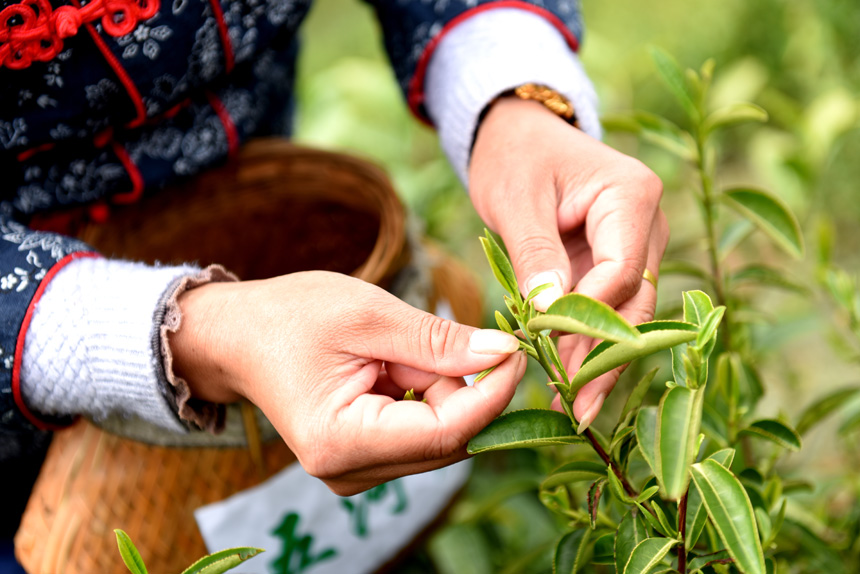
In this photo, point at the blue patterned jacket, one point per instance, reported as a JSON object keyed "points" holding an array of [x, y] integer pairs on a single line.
{"points": [[99, 107]]}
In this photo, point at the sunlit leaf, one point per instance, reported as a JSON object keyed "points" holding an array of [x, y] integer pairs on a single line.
{"points": [[646, 434], [733, 114], [697, 307], [631, 531], [654, 336], [537, 291], [128, 552], [222, 561], [575, 471], [647, 494], [708, 329], [823, 407], [776, 432], [572, 552], [671, 74], [523, 429], [576, 313], [731, 512], [503, 323], [770, 214], [648, 554], [696, 513], [678, 423], [500, 264]]}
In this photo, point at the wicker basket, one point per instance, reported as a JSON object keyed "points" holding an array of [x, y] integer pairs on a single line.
{"points": [[277, 209]]}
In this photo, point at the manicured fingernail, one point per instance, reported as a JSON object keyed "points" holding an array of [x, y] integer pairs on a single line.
{"points": [[591, 413], [546, 297], [492, 342]]}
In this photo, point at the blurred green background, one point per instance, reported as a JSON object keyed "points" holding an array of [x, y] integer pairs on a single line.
{"points": [[799, 60]]}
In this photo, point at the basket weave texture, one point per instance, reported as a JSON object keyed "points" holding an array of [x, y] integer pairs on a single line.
{"points": [[277, 209]]}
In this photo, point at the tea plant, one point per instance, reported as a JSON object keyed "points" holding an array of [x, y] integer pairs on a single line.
{"points": [[692, 484], [216, 563]]}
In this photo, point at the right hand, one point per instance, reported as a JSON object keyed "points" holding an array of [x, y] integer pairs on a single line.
{"points": [[326, 358]]}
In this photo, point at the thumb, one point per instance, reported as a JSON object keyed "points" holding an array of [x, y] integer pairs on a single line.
{"points": [[408, 336], [537, 253]]}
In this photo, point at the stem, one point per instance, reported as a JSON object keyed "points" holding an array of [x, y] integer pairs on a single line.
{"points": [[682, 531], [605, 458]]}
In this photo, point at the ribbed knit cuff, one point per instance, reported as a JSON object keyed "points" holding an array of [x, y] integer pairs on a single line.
{"points": [[89, 348], [491, 53]]}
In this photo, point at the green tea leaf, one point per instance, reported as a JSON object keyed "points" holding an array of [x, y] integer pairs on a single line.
{"points": [[646, 434], [501, 265], [483, 374], [619, 437], [637, 395], [733, 235], [603, 550], [696, 513], [731, 512], [699, 562], [823, 407], [222, 561], [776, 432], [654, 336], [664, 522], [671, 74], [732, 115], [576, 471], [630, 533], [651, 519], [766, 276], [594, 494], [129, 553], [410, 395], [648, 554], [461, 549], [647, 494], [575, 313], [537, 291], [697, 307], [676, 267], [617, 488], [523, 429], [503, 324], [571, 553], [664, 134], [708, 330], [770, 214], [763, 521], [678, 422]]}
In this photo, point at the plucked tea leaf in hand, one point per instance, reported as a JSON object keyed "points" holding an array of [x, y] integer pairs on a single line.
{"points": [[630, 533], [678, 422], [576, 313], [770, 214], [776, 432], [222, 561], [501, 265], [525, 428], [731, 512], [654, 336], [572, 552], [129, 553], [575, 471], [648, 554]]}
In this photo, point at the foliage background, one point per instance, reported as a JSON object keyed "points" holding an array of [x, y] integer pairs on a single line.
{"points": [[799, 60]]}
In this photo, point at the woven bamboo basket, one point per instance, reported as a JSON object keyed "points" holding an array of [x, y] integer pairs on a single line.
{"points": [[277, 209]]}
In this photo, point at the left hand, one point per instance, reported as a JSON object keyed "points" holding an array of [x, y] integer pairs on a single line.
{"points": [[571, 211]]}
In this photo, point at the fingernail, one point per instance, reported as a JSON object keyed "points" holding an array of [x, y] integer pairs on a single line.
{"points": [[591, 413], [546, 297], [492, 342]]}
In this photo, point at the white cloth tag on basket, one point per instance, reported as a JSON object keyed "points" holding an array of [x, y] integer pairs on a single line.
{"points": [[306, 528]]}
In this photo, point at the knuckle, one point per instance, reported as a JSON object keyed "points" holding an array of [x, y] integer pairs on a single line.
{"points": [[437, 336], [533, 248], [648, 182]]}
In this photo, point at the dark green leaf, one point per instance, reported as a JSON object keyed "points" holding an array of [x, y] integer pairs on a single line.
{"points": [[731, 512], [129, 553], [776, 432], [603, 549], [576, 471], [594, 494], [222, 561], [619, 438], [648, 554], [523, 429], [671, 74], [501, 265], [770, 214], [655, 336], [637, 395], [699, 562], [646, 434], [572, 552], [575, 313], [732, 115], [630, 533], [678, 423], [824, 407], [461, 549]]}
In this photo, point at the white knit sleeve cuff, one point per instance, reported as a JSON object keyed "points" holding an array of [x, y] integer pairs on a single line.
{"points": [[493, 52], [89, 347]]}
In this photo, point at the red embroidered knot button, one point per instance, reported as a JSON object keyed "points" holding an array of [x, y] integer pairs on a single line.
{"points": [[32, 31]]}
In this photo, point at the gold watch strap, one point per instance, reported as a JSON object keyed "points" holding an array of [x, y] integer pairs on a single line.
{"points": [[550, 98]]}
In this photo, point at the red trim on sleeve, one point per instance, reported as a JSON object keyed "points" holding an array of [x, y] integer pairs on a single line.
{"points": [[126, 80], [227, 122], [229, 58], [133, 173], [415, 97], [22, 336], [27, 154]]}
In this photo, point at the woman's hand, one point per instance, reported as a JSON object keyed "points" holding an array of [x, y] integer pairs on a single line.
{"points": [[573, 212], [326, 358]]}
